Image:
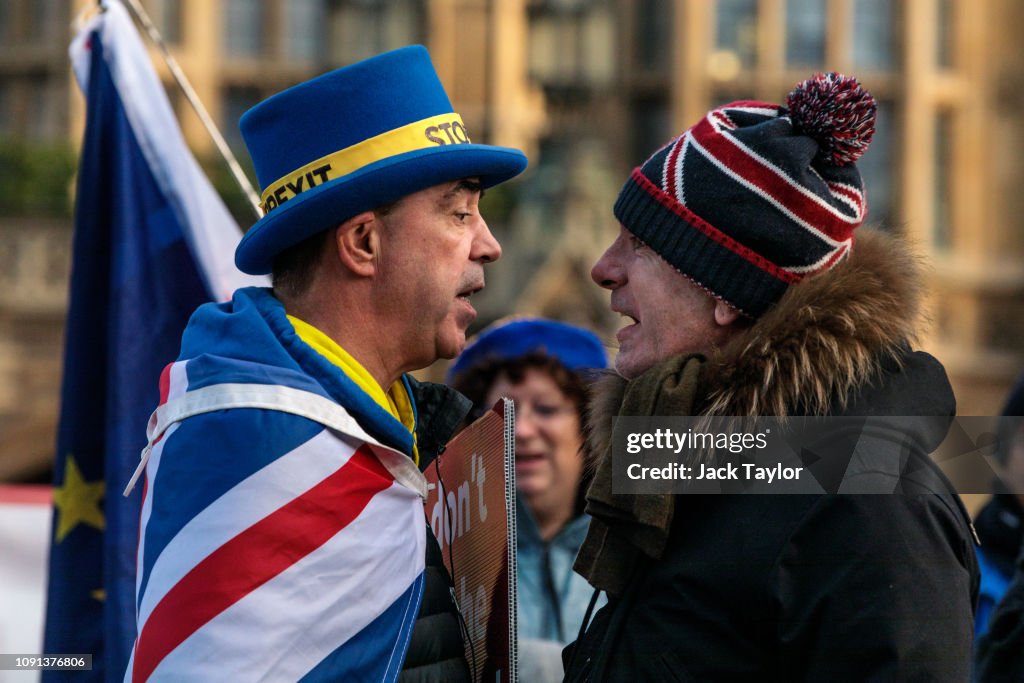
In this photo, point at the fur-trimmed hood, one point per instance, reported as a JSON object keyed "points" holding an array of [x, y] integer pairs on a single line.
{"points": [[826, 337], [813, 353], [837, 344]]}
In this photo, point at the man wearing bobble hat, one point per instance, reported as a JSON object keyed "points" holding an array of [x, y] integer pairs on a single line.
{"points": [[747, 293], [283, 534]]}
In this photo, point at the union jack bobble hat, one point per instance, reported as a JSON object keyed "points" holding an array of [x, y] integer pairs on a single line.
{"points": [[756, 196], [354, 139]]}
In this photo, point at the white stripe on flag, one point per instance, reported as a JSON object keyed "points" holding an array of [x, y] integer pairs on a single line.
{"points": [[316, 605], [211, 232], [248, 502], [147, 508], [177, 385]]}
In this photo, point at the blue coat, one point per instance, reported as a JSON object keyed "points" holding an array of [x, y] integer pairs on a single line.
{"points": [[1001, 533], [552, 598]]}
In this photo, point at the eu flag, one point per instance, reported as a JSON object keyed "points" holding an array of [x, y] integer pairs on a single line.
{"points": [[152, 241]]}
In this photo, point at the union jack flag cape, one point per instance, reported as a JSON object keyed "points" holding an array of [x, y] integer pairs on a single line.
{"points": [[282, 528]]}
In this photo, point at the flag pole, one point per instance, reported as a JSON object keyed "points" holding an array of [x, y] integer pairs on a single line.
{"points": [[179, 76]]}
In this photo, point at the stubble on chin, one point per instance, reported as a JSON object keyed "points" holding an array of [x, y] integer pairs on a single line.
{"points": [[452, 341], [631, 365], [622, 367]]}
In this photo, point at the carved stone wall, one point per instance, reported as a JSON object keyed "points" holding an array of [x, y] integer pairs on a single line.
{"points": [[34, 267]]}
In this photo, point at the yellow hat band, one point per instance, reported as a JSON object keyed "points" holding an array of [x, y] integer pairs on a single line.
{"points": [[436, 131]]}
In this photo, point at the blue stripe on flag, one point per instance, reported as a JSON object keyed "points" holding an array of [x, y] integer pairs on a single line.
{"points": [[369, 656], [207, 370], [186, 483]]}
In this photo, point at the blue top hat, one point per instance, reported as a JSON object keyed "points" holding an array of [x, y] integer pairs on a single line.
{"points": [[575, 347], [354, 139]]}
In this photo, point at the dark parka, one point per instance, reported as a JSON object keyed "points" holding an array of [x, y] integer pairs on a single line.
{"points": [[436, 652], [1001, 649], [806, 587]]}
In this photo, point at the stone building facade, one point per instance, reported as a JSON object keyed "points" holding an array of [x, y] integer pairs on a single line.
{"points": [[586, 87]]}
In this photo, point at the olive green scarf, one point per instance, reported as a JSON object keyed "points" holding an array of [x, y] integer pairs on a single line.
{"points": [[624, 526]]}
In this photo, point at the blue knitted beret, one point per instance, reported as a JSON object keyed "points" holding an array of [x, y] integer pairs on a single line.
{"points": [[575, 347]]}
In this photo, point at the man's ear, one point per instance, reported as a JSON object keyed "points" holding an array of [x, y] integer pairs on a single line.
{"points": [[357, 242], [725, 314]]}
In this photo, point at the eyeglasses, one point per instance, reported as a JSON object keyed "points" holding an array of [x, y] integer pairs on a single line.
{"points": [[542, 412]]}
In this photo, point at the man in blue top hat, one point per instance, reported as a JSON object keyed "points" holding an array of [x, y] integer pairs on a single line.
{"points": [[283, 534]]}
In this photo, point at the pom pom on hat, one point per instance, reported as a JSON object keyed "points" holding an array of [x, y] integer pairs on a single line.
{"points": [[837, 113]]}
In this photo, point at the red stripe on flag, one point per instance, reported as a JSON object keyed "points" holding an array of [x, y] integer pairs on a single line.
{"points": [[165, 383], [726, 151], [257, 555], [165, 392]]}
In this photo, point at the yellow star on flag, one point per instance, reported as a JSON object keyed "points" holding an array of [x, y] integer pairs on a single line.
{"points": [[77, 501]]}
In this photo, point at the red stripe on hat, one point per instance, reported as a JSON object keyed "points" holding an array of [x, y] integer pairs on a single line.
{"points": [[764, 108], [670, 167], [257, 555], [728, 152], [714, 233], [723, 118], [751, 104], [839, 253], [850, 193]]}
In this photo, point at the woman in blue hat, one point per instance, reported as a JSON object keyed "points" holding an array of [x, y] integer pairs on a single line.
{"points": [[542, 365]]}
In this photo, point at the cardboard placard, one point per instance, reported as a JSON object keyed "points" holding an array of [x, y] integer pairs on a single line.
{"points": [[471, 508]]}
